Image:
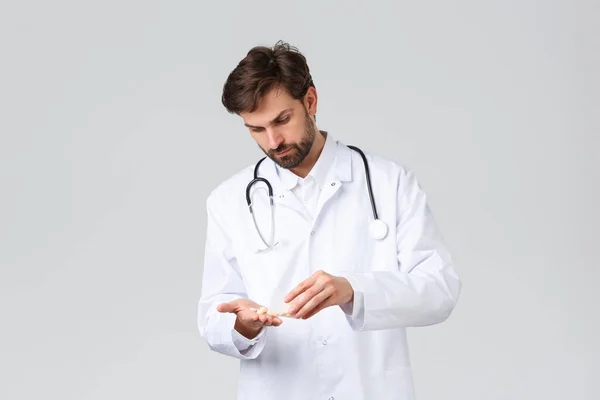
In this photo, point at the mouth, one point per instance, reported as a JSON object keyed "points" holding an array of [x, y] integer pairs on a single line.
{"points": [[283, 153]]}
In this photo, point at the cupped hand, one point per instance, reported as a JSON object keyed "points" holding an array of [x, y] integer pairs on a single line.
{"points": [[248, 321]]}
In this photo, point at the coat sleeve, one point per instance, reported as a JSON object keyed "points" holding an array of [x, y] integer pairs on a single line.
{"points": [[424, 289], [222, 282]]}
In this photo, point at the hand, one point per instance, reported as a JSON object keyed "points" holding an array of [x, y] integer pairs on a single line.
{"points": [[319, 291], [248, 321]]}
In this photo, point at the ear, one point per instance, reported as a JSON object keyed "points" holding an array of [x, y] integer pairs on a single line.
{"points": [[310, 101]]}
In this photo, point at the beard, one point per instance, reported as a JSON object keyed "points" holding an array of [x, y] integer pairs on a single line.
{"points": [[297, 151]]}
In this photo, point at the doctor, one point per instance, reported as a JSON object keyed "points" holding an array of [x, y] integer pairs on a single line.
{"points": [[351, 286]]}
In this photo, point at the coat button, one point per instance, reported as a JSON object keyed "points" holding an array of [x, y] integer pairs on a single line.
{"points": [[332, 184], [312, 233], [324, 342]]}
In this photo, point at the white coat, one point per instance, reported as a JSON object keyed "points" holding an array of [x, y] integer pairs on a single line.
{"points": [[405, 280]]}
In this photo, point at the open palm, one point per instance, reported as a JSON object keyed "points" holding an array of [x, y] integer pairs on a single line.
{"points": [[248, 321]]}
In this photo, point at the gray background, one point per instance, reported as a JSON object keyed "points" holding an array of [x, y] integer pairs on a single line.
{"points": [[107, 110]]}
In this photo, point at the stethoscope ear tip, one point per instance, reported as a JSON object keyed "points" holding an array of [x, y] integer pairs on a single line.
{"points": [[378, 229]]}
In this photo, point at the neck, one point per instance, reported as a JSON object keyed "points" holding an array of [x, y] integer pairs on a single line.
{"points": [[306, 165]]}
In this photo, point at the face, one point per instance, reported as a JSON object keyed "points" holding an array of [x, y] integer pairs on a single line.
{"points": [[283, 127]]}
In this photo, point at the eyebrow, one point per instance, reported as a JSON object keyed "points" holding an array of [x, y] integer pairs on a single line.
{"points": [[273, 120]]}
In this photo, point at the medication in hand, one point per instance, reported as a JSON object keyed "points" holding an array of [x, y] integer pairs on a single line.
{"points": [[264, 310]]}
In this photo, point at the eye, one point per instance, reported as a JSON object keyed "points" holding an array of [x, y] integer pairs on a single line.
{"points": [[283, 120]]}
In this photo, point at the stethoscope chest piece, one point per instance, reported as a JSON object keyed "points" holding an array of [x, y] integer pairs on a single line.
{"points": [[378, 229]]}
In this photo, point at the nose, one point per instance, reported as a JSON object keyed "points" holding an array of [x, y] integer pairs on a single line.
{"points": [[274, 139]]}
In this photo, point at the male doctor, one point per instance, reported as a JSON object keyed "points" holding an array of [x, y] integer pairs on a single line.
{"points": [[349, 296]]}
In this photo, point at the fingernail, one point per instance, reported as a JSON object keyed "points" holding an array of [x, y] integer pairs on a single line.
{"points": [[292, 310]]}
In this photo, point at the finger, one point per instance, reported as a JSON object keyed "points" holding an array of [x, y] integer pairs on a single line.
{"points": [[315, 301], [301, 287], [269, 320], [328, 302], [306, 296], [265, 319], [230, 307]]}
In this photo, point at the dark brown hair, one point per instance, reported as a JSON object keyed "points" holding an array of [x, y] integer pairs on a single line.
{"points": [[263, 69]]}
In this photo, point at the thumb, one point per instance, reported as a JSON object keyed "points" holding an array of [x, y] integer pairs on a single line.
{"points": [[230, 307]]}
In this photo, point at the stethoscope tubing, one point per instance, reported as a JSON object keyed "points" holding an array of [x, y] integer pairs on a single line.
{"points": [[376, 222]]}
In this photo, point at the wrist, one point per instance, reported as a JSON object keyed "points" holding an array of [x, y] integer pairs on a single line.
{"points": [[349, 292]]}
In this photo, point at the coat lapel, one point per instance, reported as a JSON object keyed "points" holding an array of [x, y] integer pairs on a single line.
{"points": [[341, 172]]}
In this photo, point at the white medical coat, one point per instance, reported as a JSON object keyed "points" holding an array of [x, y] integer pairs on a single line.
{"points": [[405, 280]]}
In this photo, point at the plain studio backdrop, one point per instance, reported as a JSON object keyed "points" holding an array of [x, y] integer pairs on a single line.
{"points": [[113, 134]]}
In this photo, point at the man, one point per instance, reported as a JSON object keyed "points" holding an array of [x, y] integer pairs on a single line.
{"points": [[349, 297]]}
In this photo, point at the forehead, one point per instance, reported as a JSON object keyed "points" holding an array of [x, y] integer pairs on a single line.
{"points": [[269, 106]]}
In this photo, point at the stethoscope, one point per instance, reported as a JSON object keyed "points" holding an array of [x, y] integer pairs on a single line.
{"points": [[377, 228]]}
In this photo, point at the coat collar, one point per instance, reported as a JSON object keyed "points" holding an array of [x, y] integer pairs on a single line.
{"points": [[335, 162]]}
